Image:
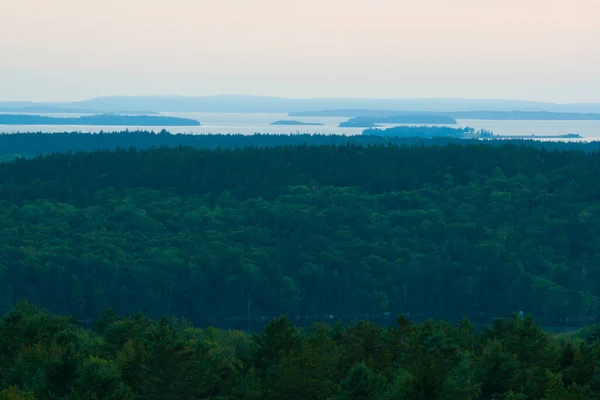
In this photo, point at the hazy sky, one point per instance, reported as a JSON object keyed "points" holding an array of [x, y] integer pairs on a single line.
{"points": [[518, 49]]}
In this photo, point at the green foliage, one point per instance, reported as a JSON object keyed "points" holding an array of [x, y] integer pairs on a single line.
{"points": [[449, 231], [475, 230], [13, 393], [459, 383], [16, 145], [138, 358], [361, 384]]}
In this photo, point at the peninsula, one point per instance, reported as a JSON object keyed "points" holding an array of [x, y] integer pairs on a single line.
{"points": [[97, 120]]}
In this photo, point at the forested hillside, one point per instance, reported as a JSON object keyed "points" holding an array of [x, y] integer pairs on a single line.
{"points": [[442, 231], [48, 357]]}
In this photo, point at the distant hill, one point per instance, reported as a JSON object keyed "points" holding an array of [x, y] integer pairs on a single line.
{"points": [[483, 115], [101, 120], [296, 123], [63, 110], [525, 116], [369, 122], [264, 104]]}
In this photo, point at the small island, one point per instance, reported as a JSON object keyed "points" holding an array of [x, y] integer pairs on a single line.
{"points": [[371, 122], [296, 123], [97, 120]]}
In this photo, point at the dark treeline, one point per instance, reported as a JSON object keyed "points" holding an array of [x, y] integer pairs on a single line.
{"points": [[38, 143], [49, 357], [426, 132], [446, 231]]}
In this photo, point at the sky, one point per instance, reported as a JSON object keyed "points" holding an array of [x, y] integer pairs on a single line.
{"points": [[62, 50]]}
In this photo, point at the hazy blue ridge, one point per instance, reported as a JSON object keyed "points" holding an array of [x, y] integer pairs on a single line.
{"points": [[99, 120], [482, 115], [264, 104], [64, 110]]}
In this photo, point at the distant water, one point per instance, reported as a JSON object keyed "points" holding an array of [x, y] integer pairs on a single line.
{"points": [[247, 124]]}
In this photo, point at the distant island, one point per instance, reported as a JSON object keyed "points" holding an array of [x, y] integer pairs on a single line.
{"points": [[428, 132], [296, 123], [97, 120], [370, 122], [482, 115]]}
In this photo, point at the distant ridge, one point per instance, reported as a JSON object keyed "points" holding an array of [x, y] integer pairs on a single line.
{"points": [[266, 104], [97, 120], [481, 115], [41, 109]]}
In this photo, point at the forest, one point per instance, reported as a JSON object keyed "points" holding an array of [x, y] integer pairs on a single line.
{"points": [[428, 132], [45, 356], [443, 231], [38, 143]]}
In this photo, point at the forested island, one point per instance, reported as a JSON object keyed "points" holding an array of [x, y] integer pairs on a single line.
{"points": [[46, 356], [369, 122], [482, 115], [97, 120], [296, 123]]}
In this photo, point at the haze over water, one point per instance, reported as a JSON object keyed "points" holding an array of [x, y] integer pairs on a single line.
{"points": [[250, 123]]}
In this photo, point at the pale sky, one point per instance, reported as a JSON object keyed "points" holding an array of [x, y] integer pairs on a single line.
{"points": [[546, 50]]}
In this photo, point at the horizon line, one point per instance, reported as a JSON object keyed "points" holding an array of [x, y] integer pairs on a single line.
{"points": [[299, 98]]}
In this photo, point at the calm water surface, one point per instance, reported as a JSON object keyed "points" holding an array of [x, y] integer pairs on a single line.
{"points": [[247, 124]]}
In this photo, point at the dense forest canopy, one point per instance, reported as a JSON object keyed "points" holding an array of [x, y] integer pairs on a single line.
{"points": [[475, 230], [38, 143], [50, 357], [427, 132]]}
